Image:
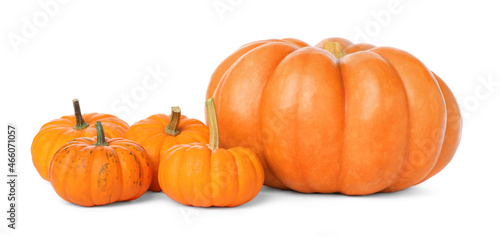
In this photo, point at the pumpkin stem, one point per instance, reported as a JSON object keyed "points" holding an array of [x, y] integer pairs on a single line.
{"points": [[101, 139], [212, 124], [80, 124], [335, 48], [172, 128]]}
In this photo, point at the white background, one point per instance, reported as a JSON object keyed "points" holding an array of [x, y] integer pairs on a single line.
{"points": [[100, 51]]}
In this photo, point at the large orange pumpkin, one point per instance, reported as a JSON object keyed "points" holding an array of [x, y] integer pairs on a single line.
{"points": [[204, 175], [159, 132], [337, 117], [58, 132], [98, 171]]}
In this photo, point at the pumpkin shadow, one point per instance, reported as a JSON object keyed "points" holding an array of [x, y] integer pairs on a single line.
{"points": [[409, 192], [263, 196], [148, 196], [268, 194]]}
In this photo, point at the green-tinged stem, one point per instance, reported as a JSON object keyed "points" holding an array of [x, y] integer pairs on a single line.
{"points": [[172, 128], [212, 124], [101, 139], [80, 124], [335, 48]]}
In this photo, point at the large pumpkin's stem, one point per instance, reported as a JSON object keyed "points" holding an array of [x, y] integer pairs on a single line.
{"points": [[172, 128], [80, 124], [335, 48], [101, 139], [212, 124]]}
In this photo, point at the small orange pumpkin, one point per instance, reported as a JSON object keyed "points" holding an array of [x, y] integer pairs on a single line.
{"points": [[58, 132], [205, 175], [98, 171], [159, 132]]}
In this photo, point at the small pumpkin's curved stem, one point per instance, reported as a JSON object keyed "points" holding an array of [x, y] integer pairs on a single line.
{"points": [[80, 124], [335, 48], [101, 139], [213, 127], [172, 128]]}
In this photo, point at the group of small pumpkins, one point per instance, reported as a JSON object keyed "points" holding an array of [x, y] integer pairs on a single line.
{"points": [[96, 159], [337, 117]]}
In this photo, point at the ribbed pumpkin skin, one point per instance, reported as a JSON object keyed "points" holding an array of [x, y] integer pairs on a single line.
{"points": [[374, 120], [150, 134], [89, 175], [58, 132], [194, 175]]}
